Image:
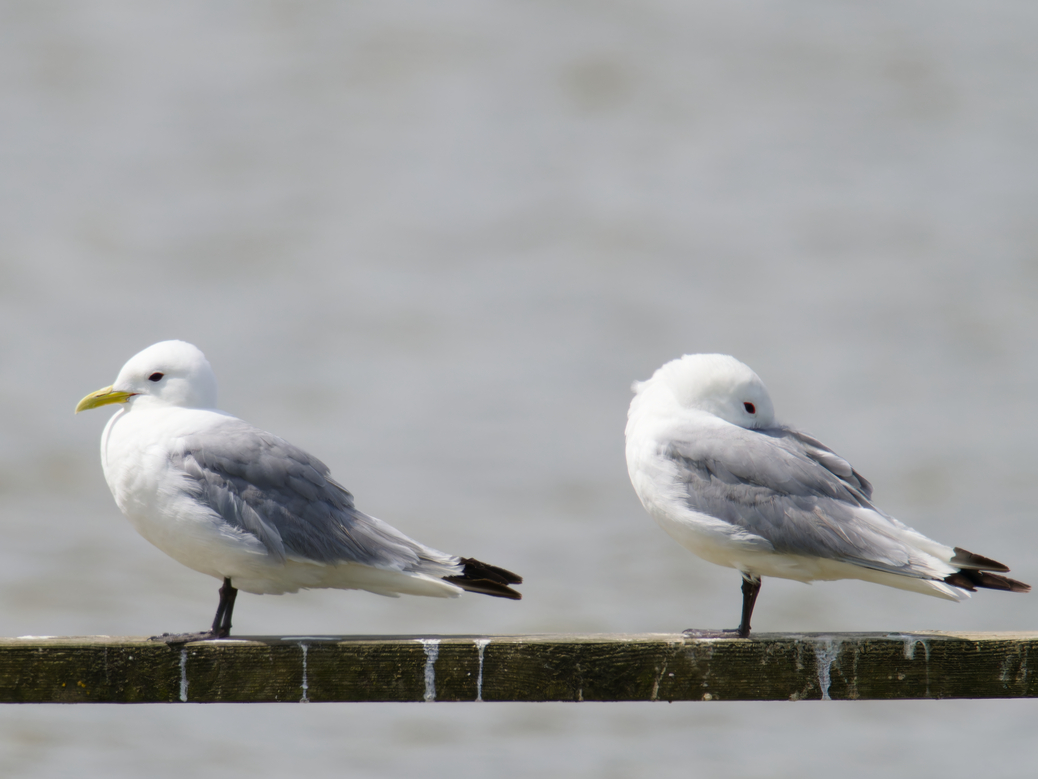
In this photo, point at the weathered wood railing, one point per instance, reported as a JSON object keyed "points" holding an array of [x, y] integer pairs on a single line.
{"points": [[645, 667]]}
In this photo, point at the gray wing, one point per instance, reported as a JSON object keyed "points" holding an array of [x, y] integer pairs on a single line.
{"points": [[263, 485], [789, 489]]}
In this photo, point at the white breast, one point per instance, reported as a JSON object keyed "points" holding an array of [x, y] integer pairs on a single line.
{"points": [[149, 489]]}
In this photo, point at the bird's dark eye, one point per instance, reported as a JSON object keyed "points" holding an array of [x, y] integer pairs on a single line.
{"points": [[750, 408], [155, 377]]}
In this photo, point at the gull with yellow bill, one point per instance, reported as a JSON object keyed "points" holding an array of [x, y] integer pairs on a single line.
{"points": [[234, 502]]}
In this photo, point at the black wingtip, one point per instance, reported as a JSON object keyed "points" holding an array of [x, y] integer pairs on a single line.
{"points": [[971, 579], [974, 572], [486, 579], [976, 562]]}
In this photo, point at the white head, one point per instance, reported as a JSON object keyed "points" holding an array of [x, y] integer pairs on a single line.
{"points": [[714, 383], [169, 373]]}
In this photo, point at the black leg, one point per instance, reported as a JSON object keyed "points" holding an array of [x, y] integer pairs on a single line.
{"points": [[750, 589], [222, 621]]}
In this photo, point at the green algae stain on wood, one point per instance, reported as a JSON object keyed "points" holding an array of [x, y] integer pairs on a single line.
{"points": [[653, 667]]}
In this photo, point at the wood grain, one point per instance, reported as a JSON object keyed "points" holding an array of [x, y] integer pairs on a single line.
{"points": [[646, 667]]}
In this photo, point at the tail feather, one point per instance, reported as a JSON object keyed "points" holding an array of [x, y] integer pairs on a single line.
{"points": [[487, 579], [973, 573]]}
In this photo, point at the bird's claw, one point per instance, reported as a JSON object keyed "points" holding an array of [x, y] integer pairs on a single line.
{"points": [[699, 633], [185, 638]]}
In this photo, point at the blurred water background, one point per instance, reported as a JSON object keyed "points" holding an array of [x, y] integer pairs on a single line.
{"points": [[434, 244]]}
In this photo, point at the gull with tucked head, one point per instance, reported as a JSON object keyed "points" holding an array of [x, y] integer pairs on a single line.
{"points": [[718, 474], [234, 502]]}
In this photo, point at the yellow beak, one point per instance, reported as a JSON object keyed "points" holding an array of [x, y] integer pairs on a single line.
{"points": [[102, 398]]}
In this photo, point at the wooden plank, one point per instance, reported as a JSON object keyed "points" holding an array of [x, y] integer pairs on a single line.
{"points": [[647, 667]]}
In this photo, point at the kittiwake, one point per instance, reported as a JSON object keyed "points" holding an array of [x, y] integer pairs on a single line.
{"points": [[234, 502], [717, 473]]}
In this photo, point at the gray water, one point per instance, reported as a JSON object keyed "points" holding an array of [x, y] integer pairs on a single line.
{"points": [[434, 244]]}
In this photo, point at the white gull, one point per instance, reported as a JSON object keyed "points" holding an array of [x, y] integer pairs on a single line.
{"points": [[718, 474], [234, 502]]}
